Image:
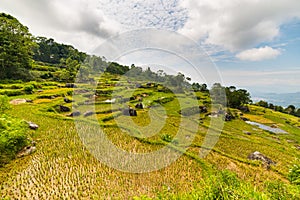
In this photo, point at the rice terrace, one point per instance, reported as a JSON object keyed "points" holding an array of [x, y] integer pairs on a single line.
{"points": [[74, 125]]}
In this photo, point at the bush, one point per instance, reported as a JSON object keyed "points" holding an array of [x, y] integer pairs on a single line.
{"points": [[167, 138], [29, 89], [36, 85], [13, 137], [4, 105], [294, 174]]}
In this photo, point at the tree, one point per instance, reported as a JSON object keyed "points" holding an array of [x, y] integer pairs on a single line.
{"points": [[16, 44], [49, 51], [218, 94], [237, 98], [262, 103], [290, 109], [297, 113]]}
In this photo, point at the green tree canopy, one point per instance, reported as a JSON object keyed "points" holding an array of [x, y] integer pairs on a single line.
{"points": [[16, 45]]}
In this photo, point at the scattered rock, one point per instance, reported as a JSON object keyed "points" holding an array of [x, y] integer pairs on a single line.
{"points": [[213, 114], [88, 113], [297, 147], [244, 109], [259, 156], [33, 126], [26, 151], [74, 114], [139, 106], [274, 126], [244, 118], [110, 100], [129, 112], [67, 100], [203, 109], [138, 85], [228, 117], [247, 132], [70, 85], [64, 108]]}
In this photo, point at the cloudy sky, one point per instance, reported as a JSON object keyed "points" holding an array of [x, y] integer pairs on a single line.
{"points": [[253, 44]]}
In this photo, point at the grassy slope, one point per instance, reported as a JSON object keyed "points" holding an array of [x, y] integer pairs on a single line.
{"points": [[63, 168]]}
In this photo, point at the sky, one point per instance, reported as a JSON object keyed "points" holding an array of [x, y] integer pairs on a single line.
{"points": [[252, 44]]}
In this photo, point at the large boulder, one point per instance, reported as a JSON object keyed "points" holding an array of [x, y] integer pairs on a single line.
{"points": [[228, 117], [17, 101], [129, 112], [67, 100], [244, 109], [259, 156], [74, 114], [27, 151], [88, 113], [64, 108], [203, 109], [70, 85], [139, 106]]}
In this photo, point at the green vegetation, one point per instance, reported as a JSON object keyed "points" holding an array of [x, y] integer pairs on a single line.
{"points": [[13, 134], [16, 45], [291, 109], [63, 167]]}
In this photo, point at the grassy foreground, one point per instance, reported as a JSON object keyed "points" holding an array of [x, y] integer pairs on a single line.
{"points": [[63, 168]]}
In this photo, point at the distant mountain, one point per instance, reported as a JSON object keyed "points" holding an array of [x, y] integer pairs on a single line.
{"points": [[283, 99]]}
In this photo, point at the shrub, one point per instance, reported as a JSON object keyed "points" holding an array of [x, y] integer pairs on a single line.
{"points": [[167, 137], [13, 137], [294, 174], [4, 105], [36, 85], [28, 89]]}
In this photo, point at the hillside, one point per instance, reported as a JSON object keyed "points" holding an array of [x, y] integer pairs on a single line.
{"points": [[62, 161]]}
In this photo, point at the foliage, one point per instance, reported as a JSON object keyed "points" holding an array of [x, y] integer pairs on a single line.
{"points": [[4, 105], [16, 45], [294, 174], [28, 89], [52, 52], [115, 68], [13, 137], [291, 109], [218, 94], [199, 87], [237, 98]]}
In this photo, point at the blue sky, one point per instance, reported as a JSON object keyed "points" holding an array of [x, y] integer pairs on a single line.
{"points": [[253, 44]]}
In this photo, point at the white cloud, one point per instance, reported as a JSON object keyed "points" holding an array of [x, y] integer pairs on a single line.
{"points": [[237, 24], [77, 22], [258, 54]]}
